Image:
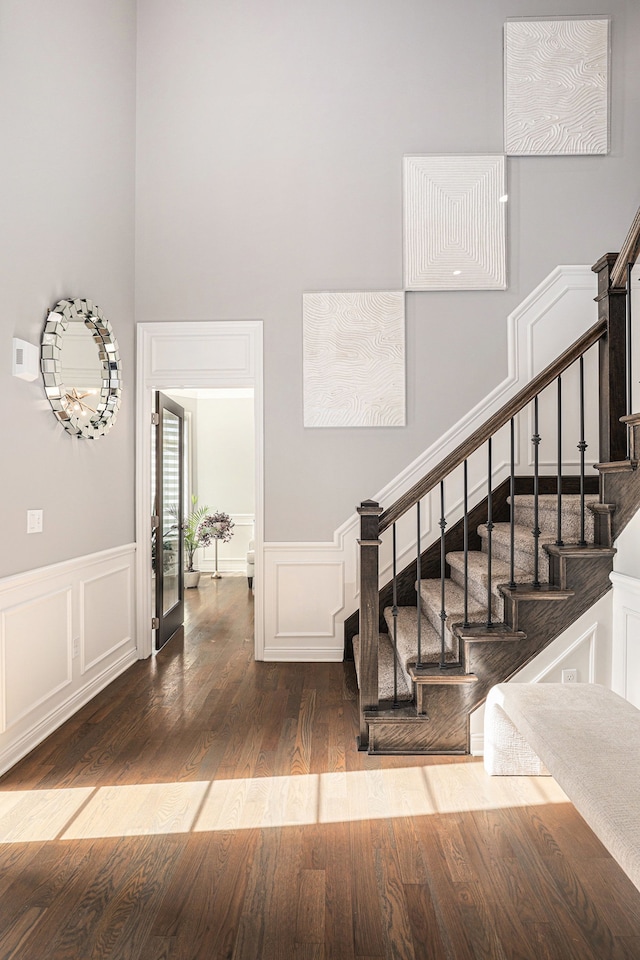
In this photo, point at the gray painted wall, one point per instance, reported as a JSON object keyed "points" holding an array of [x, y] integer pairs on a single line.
{"points": [[270, 142], [67, 115]]}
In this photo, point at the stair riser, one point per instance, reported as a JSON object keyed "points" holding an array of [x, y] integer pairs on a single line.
{"points": [[524, 560], [548, 522], [407, 643], [433, 617], [404, 647], [478, 590]]}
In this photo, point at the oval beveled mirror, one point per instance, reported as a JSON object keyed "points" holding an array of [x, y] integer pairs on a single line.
{"points": [[81, 368]]}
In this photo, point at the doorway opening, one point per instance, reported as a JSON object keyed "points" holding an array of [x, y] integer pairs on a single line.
{"points": [[204, 453], [205, 380]]}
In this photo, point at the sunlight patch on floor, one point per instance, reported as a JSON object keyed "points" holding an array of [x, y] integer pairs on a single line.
{"points": [[204, 806]]}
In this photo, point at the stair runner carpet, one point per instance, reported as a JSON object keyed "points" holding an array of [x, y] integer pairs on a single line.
{"points": [[478, 587]]}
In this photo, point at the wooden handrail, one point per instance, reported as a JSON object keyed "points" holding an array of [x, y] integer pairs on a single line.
{"points": [[628, 254], [492, 425]]}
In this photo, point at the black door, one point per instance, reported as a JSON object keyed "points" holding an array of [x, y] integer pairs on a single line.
{"points": [[169, 545]]}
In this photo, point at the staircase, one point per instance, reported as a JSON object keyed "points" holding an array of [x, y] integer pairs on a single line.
{"points": [[510, 576]]}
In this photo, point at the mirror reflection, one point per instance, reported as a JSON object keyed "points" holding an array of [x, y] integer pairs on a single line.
{"points": [[80, 369]]}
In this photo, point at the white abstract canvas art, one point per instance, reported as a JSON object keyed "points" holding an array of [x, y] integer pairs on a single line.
{"points": [[556, 86], [454, 223], [354, 359]]}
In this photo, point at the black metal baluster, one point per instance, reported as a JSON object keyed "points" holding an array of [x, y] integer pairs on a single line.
{"points": [[466, 544], [394, 611], [512, 496], [559, 541], [536, 483], [443, 611], [629, 358], [418, 585], [582, 446], [489, 529]]}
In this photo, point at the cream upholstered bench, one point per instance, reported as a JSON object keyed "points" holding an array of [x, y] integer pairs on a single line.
{"points": [[584, 736]]}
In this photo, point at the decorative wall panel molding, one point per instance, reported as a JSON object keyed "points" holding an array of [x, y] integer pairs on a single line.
{"points": [[105, 626], [454, 223], [66, 631], [556, 86], [35, 642], [354, 359]]}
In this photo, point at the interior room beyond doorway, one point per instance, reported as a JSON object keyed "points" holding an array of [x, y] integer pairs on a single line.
{"points": [[218, 471]]}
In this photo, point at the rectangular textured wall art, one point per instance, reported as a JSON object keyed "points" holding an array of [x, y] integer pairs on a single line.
{"points": [[556, 93], [354, 359], [454, 223]]}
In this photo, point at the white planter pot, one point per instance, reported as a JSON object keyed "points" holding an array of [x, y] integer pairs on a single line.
{"points": [[191, 579]]}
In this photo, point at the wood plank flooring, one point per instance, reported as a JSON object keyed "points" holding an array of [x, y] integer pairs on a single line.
{"points": [[206, 806]]}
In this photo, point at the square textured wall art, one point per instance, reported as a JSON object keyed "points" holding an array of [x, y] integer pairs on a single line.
{"points": [[454, 223], [556, 79], [354, 359]]}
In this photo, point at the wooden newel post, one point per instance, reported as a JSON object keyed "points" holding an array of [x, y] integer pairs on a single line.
{"points": [[369, 543], [613, 363]]}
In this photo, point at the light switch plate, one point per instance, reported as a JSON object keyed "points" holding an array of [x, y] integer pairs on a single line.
{"points": [[34, 521]]}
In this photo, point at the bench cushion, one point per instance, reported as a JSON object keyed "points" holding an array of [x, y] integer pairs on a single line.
{"points": [[589, 739]]}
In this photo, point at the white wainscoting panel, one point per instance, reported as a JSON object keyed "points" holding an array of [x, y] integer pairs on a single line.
{"points": [[304, 592], [105, 626], [35, 640], [555, 314], [66, 631], [626, 636]]}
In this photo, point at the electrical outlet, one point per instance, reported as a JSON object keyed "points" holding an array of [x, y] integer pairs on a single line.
{"points": [[76, 648], [570, 675]]}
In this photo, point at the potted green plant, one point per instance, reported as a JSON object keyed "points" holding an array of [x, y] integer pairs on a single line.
{"points": [[197, 533]]}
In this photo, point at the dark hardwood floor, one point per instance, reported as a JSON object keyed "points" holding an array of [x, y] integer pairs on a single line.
{"points": [[207, 806]]}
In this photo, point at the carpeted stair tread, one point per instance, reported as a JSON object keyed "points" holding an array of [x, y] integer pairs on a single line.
{"points": [[477, 577], [408, 638], [548, 514], [431, 599], [385, 669], [524, 548]]}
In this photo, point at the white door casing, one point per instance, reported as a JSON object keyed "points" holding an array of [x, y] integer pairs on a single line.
{"points": [[185, 354]]}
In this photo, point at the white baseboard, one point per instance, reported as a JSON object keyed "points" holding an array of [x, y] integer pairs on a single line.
{"points": [[45, 727], [305, 655], [228, 565], [477, 744], [310, 588], [66, 631]]}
